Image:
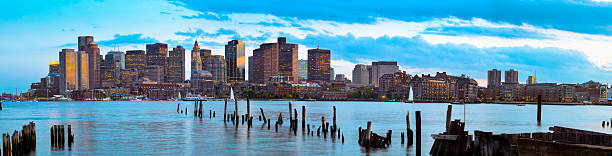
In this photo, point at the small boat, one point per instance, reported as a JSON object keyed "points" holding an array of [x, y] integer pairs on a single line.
{"points": [[520, 104], [192, 97]]}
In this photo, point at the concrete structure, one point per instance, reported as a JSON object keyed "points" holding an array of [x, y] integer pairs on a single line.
{"points": [[205, 56], [303, 70], [319, 65], [381, 68], [94, 62], [332, 74], [157, 54], [274, 59], [176, 65], [196, 60], [493, 78], [511, 76], [361, 74], [235, 60], [531, 80], [154, 73]]}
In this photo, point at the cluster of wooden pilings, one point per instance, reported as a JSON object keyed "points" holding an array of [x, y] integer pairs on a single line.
{"points": [[20, 143], [58, 137], [369, 139]]}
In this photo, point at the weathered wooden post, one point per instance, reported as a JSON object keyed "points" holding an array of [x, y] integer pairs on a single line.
{"points": [[248, 108], [295, 118], [178, 107], [402, 137], [0, 105], [263, 114], [268, 124], [70, 136], [209, 114], [290, 114], [303, 117], [214, 114], [368, 132], [418, 133], [200, 110], [62, 136], [389, 137], [195, 108], [449, 112], [334, 125], [539, 108], [409, 133], [236, 110], [6, 145], [225, 110]]}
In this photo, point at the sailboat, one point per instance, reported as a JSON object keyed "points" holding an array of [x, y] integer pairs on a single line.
{"points": [[410, 96], [232, 97]]}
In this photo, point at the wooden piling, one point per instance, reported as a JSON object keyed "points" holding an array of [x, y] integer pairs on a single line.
{"points": [[342, 138], [303, 117], [225, 110], [323, 122], [209, 114], [418, 133], [236, 109], [539, 108], [409, 133], [369, 131], [389, 137], [334, 125], [178, 107], [200, 114], [268, 124], [290, 114], [449, 112], [195, 108], [402, 136], [0, 105], [263, 114], [248, 108], [276, 127], [214, 114]]}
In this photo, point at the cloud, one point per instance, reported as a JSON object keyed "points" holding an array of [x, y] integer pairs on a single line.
{"points": [[196, 33], [486, 31], [208, 16], [593, 17], [118, 40]]}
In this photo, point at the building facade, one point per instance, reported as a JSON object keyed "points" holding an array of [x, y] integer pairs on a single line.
{"points": [[176, 65], [381, 68], [531, 80], [94, 61], [196, 60], [235, 60], [274, 59], [54, 67], [303, 70], [361, 74], [68, 70], [319, 65], [218, 68], [154, 73], [511, 76], [494, 78], [157, 54]]}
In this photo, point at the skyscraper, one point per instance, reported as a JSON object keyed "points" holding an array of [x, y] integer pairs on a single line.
{"points": [[235, 59], [110, 69], [54, 67], [250, 68], [381, 68], [493, 78], [154, 73], [136, 59], [319, 64], [83, 71], [531, 80], [303, 70], [511, 76], [274, 59], [176, 65], [196, 60], [218, 68], [331, 74], [205, 56], [87, 45], [68, 70], [157, 54], [361, 74]]}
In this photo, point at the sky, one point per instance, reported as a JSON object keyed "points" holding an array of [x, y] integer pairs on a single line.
{"points": [[561, 41]]}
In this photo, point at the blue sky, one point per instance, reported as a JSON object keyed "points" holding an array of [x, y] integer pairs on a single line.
{"points": [[564, 41]]}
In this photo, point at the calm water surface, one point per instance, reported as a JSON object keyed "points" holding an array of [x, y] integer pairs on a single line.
{"points": [[154, 128]]}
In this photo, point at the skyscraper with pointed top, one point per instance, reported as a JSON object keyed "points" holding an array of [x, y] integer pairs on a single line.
{"points": [[196, 60]]}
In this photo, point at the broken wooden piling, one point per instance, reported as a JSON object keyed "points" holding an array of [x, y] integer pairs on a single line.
{"points": [[225, 110], [418, 133], [263, 114], [449, 112], [409, 133], [539, 108], [303, 117], [290, 114]]}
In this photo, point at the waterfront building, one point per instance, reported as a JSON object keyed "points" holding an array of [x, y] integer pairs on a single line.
{"points": [[395, 85], [303, 70], [235, 60], [511, 76], [494, 78], [176, 65], [430, 89], [128, 76], [531, 80], [274, 59], [319, 65], [511, 91], [381, 68], [136, 59], [196, 60], [361, 74], [68, 70], [157, 54], [54, 67]]}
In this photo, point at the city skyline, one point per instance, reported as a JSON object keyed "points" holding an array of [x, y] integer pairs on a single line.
{"points": [[462, 43]]}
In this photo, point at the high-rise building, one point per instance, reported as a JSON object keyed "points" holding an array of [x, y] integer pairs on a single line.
{"points": [[274, 59], [361, 74], [511, 76], [176, 65], [154, 73], [531, 80], [205, 55], [115, 57], [218, 68], [136, 59], [110, 69], [494, 78], [340, 77], [303, 70], [87, 45], [381, 68], [54, 67], [128, 76], [157, 54], [196, 60], [68, 70], [250, 68], [235, 59], [319, 64], [83, 71]]}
